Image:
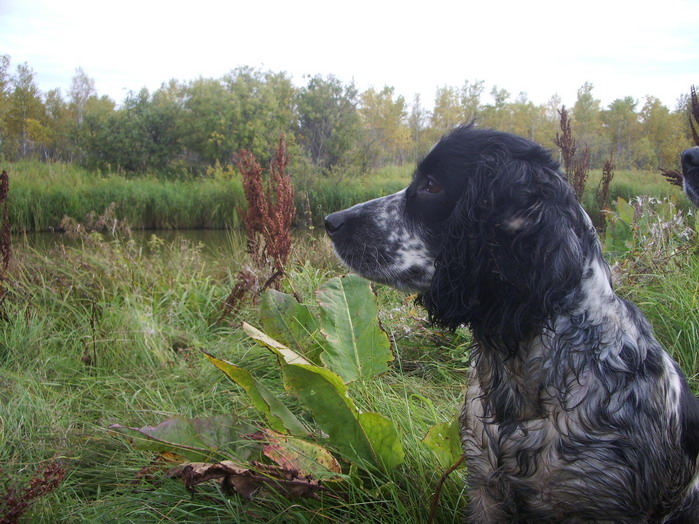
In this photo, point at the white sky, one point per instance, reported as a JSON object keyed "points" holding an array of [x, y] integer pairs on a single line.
{"points": [[625, 48]]}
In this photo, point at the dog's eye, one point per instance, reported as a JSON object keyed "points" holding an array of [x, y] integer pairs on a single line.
{"points": [[432, 187]]}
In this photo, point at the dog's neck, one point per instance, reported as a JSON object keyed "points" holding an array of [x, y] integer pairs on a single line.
{"points": [[545, 366]]}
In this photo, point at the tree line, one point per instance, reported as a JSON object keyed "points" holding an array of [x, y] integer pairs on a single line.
{"points": [[186, 127]]}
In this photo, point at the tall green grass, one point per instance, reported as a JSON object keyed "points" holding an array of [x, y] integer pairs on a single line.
{"points": [[41, 195], [101, 332], [105, 332], [670, 300]]}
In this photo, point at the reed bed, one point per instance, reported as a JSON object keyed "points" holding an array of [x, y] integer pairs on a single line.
{"points": [[43, 194], [103, 331]]}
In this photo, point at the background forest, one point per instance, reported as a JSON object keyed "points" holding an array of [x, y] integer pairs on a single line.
{"points": [[332, 129]]}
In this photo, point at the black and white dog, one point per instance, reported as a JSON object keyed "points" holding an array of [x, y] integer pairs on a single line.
{"points": [[690, 173], [574, 412]]}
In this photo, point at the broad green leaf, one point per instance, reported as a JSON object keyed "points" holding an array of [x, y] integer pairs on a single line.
{"points": [[364, 439], [357, 345], [211, 438], [291, 323], [445, 440], [625, 210], [384, 439], [274, 410], [286, 355]]}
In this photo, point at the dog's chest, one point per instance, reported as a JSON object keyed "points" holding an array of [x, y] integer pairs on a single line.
{"points": [[512, 421]]}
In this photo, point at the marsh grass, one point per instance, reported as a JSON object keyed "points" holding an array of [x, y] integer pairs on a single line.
{"points": [[103, 330], [43, 194], [669, 297], [144, 203]]}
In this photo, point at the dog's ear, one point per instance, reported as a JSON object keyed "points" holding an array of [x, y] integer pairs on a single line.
{"points": [[511, 251]]}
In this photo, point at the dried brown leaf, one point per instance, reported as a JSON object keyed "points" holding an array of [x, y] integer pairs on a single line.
{"points": [[249, 482], [673, 176]]}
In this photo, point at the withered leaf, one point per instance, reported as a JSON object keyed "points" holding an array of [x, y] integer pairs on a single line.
{"points": [[293, 454], [248, 482]]}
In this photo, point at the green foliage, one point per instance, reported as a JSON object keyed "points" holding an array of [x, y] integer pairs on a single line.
{"points": [[277, 414], [96, 332], [186, 127], [386, 139], [445, 440], [646, 231], [368, 440], [358, 349], [197, 439], [284, 318], [357, 346], [328, 123]]}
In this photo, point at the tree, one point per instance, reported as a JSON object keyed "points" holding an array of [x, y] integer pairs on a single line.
{"points": [[587, 124], [82, 87], [621, 123], [207, 123], [660, 130], [417, 122], [5, 83], [386, 137], [447, 112], [471, 93], [24, 104], [262, 108], [5, 80], [454, 106], [524, 117], [328, 122], [498, 115], [60, 128], [142, 136]]}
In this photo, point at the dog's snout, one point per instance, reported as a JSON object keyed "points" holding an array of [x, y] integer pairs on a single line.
{"points": [[334, 222], [690, 157]]}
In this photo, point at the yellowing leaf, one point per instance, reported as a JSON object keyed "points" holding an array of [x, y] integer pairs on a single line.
{"points": [[274, 410], [370, 440], [293, 454], [286, 355], [445, 440], [208, 438]]}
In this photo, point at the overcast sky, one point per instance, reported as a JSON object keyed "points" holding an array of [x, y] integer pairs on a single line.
{"points": [[625, 48]]}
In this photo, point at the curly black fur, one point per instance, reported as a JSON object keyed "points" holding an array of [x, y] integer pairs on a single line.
{"points": [[574, 412], [690, 173]]}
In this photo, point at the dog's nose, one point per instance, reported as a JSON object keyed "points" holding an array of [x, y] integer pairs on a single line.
{"points": [[333, 223], [690, 157]]}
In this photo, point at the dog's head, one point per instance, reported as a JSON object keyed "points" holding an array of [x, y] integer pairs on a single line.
{"points": [[690, 172], [488, 233]]}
